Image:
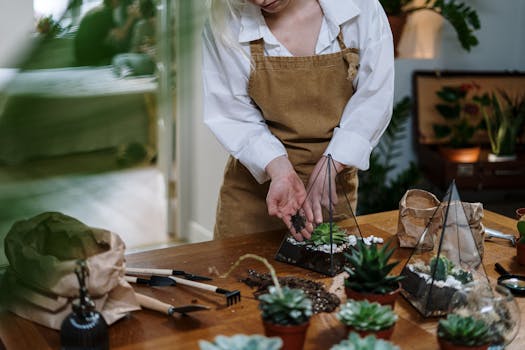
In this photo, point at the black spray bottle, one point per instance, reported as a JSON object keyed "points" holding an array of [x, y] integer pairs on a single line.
{"points": [[84, 328]]}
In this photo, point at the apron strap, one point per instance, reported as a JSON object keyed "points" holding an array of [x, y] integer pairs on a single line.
{"points": [[340, 39], [257, 47]]}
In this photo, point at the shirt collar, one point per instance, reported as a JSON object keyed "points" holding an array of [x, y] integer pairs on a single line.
{"points": [[253, 26]]}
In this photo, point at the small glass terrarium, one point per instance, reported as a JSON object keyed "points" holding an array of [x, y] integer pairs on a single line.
{"points": [[445, 261], [324, 251]]}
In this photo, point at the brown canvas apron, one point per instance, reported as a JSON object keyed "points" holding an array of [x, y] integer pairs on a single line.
{"points": [[302, 100]]}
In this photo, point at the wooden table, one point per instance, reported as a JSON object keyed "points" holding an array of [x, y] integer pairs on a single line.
{"points": [[150, 330]]}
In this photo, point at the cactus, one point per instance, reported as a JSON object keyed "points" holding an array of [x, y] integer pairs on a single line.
{"points": [[441, 267]]}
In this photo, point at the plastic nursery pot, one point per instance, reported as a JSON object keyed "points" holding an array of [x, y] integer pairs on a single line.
{"points": [[383, 299], [446, 345], [520, 253], [293, 337], [385, 334]]}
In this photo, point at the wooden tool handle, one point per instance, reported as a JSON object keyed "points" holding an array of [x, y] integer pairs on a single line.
{"points": [[194, 284], [153, 304], [146, 271]]}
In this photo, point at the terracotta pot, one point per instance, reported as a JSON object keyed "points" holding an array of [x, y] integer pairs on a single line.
{"points": [[293, 336], [520, 253], [461, 155], [446, 345], [397, 24], [383, 299], [385, 334], [519, 213]]}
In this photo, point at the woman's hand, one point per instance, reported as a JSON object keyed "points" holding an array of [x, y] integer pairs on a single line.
{"points": [[286, 193], [318, 195]]}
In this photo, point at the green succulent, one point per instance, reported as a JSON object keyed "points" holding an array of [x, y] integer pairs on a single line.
{"points": [[242, 342], [521, 229], [321, 234], [291, 307], [366, 316], [443, 268], [464, 330], [368, 269], [355, 342]]}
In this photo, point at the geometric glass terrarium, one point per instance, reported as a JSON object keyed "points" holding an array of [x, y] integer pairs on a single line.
{"points": [[445, 259], [324, 251]]}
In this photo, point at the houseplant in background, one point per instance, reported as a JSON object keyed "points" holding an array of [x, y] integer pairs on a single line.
{"points": [[462, 17], [285, 312], [503, 123], [355, 342], [368, 269], [461, 119], [368, 318], [463, 332], [242, 342]]}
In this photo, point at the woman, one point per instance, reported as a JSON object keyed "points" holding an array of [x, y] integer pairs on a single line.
{"points": [[287, 83]]}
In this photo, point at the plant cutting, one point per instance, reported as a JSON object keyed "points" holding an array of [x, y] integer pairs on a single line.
{"points": [[462, 17], [461, 114], [520, 245], [242, 342], [463, 332], [367, 318], [285, 312], [368, 269], [355, 342], [503, 123]]}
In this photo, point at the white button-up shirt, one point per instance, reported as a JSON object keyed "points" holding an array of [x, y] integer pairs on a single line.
{"points": [[237, 122]]}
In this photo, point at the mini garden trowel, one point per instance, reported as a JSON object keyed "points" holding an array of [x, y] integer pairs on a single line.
{"points": [[157, 305]]}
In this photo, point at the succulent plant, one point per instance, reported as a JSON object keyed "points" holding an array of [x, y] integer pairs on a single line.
{"points": [[355, 342], [368, 269], [242, 342], [321, 234], [464, 330], [282, 305], [366, 316], [290, 307], [443, 268], [521, 229]]}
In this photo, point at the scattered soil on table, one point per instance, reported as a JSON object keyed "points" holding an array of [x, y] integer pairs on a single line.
{"points": [[322, 300]]}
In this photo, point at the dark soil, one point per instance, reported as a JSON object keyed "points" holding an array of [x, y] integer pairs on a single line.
{"points": [[322, 301]]}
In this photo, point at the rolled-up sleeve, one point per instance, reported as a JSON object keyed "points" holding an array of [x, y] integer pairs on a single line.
{"points": [[369, 110], [230, 113]]}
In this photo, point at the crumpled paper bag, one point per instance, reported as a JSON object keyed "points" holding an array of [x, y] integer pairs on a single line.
{"points": [[41, 281], [420, 210]]}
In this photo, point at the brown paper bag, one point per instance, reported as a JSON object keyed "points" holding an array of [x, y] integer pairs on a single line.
{"points": [[41, 281], [416, 209], [420, 210]]}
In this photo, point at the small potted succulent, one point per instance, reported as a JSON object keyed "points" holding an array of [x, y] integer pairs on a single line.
{"points": [[368, 318], [285, 312], [520, 246], [368, 269], [463, 333], [242, 342], [355, 342]]}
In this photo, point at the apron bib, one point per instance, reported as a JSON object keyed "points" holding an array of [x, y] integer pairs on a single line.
{"points": [[302, 100]]}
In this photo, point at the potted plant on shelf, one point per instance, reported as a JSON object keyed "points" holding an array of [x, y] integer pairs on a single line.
{"points": [[368, 269], [462, 17], [461, 114], [355, 342], [285, 312], [520, 245], [367, 318], [242, 342], [503, 123], [463, 333]]}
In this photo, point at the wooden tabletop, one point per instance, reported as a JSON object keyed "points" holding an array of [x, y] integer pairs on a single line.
{"points": [[151, 330]]}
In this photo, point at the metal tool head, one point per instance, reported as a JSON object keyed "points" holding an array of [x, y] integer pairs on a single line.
{"points": [[184, 309], [161, 281], [232, 296]]}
